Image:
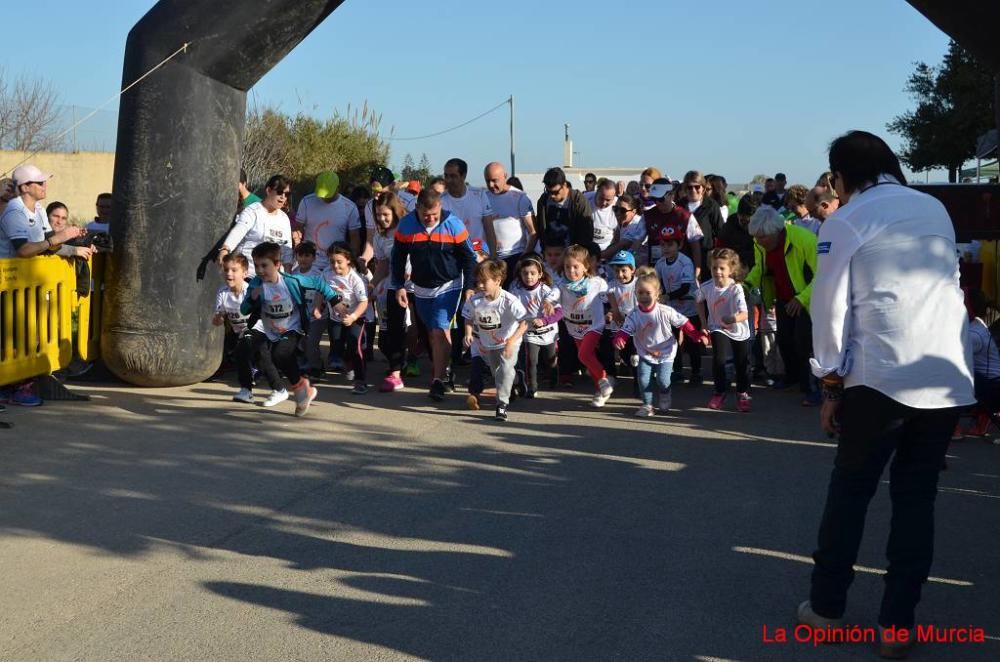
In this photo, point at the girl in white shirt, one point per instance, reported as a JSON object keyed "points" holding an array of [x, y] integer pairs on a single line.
{"points": [[533, 288], [722, 308], [650, 326], [349, 314], [583, 296]]}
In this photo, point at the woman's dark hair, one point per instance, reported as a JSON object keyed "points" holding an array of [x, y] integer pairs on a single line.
{"points": [[860, 158], [54, 206], [279, 183], [515, 182]]}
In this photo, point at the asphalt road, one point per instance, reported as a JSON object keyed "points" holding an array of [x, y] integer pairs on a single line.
{"points": [[174, 525]]}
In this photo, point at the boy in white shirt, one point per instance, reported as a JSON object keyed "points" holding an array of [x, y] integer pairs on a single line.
{"points": [[677, 277], [348, 315], [227, 306], [496, 321]]}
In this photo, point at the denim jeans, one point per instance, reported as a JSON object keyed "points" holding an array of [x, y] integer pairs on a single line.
{"points": [[647, 371]]}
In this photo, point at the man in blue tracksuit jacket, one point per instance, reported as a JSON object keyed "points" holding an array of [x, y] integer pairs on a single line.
{"points": [[442, 263]]}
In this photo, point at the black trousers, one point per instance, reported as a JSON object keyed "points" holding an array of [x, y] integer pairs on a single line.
{"points": [[722, 346], [535, 356], [794, 336], [272, 358], [354, 337], [873, 428], [392, 341], [568, 363], [694, 350]]}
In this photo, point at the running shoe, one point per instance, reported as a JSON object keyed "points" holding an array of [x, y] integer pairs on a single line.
{"points": [[391, 383], [605, 387], [360, 388], [634, 360], [502, 412], [645, 411], [303, 398], [716, 401], [666, 401], [743, 402], [349, 375], [472, 402], [412, 369], [437, 390], [598, 400], [276, 398], [244, 395], [530, 395], [24, 395], [696, 380]]}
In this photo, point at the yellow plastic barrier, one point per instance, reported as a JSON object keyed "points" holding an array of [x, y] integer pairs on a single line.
{"points": [[38, 297]]}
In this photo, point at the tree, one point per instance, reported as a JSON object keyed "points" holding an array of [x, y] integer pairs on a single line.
{"points": [[954, 108], [408, 170], [420, 173], [425, 168], [29, 116], [300, 147]]}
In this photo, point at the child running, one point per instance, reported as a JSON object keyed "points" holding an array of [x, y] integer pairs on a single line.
{"points": [[677, 277], [393, 319], [533, 288], [651, 326], [278, 300], [723, 311], [621, 300], [227, 309], [582, 298], [305, 265], [348, 314], [495, 321]]}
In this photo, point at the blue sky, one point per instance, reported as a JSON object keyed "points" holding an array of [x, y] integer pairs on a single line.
{"points": [[713, 86]]}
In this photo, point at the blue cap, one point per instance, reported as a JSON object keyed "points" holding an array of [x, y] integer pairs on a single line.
{"points": [[623, 257]]}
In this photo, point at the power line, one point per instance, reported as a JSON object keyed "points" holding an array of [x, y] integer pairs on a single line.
{"points": [[459, 126], [182, 49]]}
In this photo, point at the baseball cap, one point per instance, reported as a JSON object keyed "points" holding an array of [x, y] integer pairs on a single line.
{"points": [[623, 257], [660, 188], [413, 186], [327, 184], [670, 233], [382, 175], [29, 173], [757, 188]]}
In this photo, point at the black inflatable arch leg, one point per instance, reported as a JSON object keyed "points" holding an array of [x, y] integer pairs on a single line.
{"points": [[176, 168]]}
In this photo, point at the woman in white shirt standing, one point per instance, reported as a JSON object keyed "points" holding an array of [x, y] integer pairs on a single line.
{"points": [[889, 341], [263, 221]]}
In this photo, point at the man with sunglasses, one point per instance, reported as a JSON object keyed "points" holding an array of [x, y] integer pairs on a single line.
{"points": [[563, 214]]}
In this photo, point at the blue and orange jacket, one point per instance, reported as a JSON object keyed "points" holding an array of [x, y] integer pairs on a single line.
{"points": [[437, 257]]}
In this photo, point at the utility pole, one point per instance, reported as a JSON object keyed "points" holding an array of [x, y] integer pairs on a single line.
{"points": [[513, 172]]}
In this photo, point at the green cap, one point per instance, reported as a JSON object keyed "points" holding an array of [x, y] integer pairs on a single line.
{"points": [[327, 184]]}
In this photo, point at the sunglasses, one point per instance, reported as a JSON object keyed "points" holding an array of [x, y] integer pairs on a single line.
{"points": [[694, 187], [621, 210], [645, 186]]}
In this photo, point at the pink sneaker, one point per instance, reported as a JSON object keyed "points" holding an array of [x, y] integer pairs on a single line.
{"points": [[716, 401], [743, 402], [391, 383]]}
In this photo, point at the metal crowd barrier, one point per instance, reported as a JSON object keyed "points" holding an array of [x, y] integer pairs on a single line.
{"points": [[39, 300]]}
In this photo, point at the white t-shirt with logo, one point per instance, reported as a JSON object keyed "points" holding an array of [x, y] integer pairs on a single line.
{"points": [[351, 287], [494, 321], [674, 275], [510, 208], [278, 312], [255, 226], [652, 332], [18, 222], [725, 302], [325, 223], [605, 224], [227, 304], [624, 294], [534, 301], [471, 208], [584, 314]]}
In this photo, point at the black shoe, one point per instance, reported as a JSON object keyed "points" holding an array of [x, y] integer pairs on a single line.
{"points": [[520, 384], [530, 395], [502, 412], [437, 390], [696, 380]]}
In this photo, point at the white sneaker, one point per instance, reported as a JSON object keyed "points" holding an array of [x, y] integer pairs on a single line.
{"points": [[276, 398], [644, 411], [598, 400], [244, 395], [634, 360], [665, 402], [605, 388], [303, 398]]}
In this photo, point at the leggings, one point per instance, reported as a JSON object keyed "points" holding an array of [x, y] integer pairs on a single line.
{"points": [[586, 352], [740, 350], [568, 362], [532, 356], [392, 341], [272, 357], [354, 348], [694, 350]]}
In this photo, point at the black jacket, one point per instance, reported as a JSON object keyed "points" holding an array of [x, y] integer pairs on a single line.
{"points": [[738, 238], [709, 218], [564, 226]]}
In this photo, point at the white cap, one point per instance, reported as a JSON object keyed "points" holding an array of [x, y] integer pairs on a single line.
{"points": [[660, 188], [29, 173]]}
